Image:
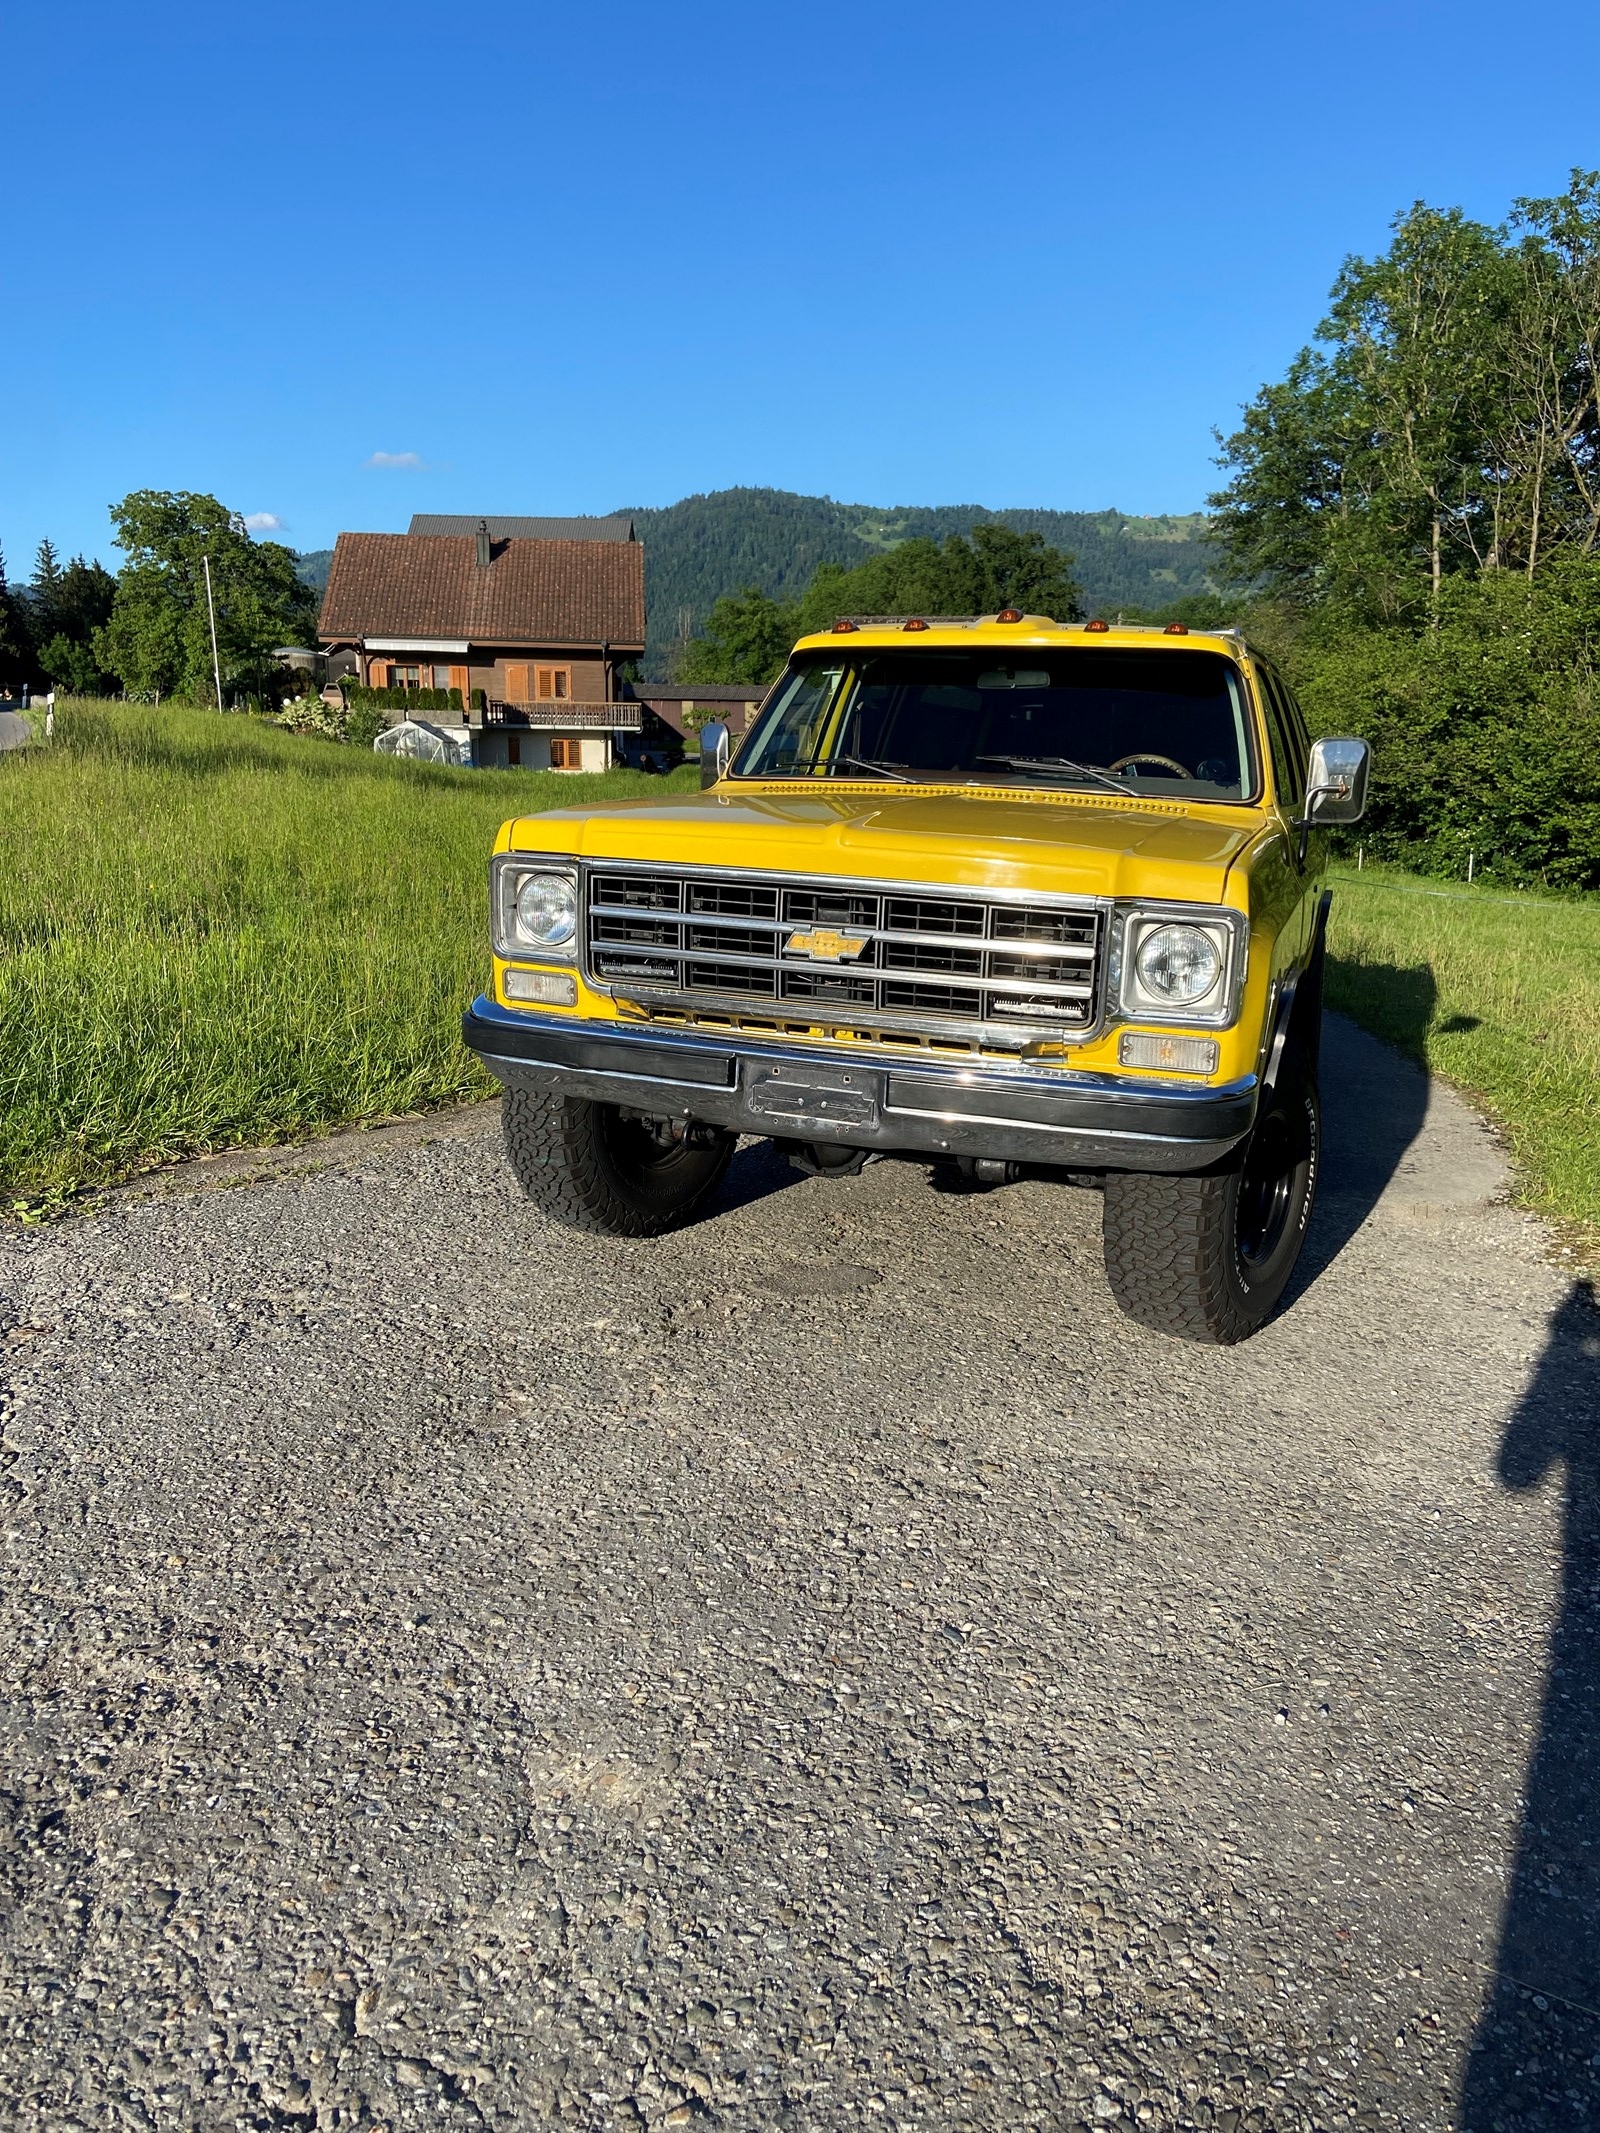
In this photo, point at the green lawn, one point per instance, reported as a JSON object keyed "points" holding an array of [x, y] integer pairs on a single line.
{"points": [[215, 933], [1499, 991]]}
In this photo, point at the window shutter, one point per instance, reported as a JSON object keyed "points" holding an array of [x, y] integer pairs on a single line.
{"points": [[458, 680], [378, 673], [517, 689]]}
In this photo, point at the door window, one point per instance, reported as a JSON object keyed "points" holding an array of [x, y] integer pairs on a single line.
{"points": [[1288, 761]]}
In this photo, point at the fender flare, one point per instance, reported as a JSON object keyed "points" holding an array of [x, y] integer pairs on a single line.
{"points": [[1298, 1014]]}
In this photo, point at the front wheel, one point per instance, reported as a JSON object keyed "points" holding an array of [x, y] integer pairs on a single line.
{"points": [[598, 1167], [1207, 1258]]}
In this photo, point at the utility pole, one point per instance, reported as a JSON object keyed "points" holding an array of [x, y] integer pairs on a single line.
{"points": [[211, 610]]}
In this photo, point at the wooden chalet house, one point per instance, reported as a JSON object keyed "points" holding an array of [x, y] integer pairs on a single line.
{"points": [[528, 618]]}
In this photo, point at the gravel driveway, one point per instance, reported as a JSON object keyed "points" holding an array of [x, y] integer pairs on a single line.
{"points": [[826, 1669]]}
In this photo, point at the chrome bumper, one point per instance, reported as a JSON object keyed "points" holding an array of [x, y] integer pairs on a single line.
{"points": [[858, 1100]]}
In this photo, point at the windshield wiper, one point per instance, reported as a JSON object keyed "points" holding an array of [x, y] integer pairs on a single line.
{"points": [[879, 770], [1062, 764]]}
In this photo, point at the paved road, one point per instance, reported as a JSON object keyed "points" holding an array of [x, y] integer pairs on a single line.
{"points": [[823, 1670]]}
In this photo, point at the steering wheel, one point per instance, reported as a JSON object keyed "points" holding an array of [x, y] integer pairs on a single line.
{"points": [[1148, 755]]}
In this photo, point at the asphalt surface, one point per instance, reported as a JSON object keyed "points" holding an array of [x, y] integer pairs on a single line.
{"points": [[825, 1669]]}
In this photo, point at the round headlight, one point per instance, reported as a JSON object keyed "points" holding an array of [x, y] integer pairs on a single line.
{"points": [[1178, 963], [547, 910]]}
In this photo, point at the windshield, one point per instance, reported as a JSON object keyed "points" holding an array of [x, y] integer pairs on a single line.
{"points": [[1169, 722]]}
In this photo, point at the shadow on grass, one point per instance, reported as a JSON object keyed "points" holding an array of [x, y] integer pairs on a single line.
{"points": [[1535, 2062], [1398, 1005]]}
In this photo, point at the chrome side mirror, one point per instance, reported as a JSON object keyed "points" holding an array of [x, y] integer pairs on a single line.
{"points": [[1336, 786], [1336, 781], [715, 749]]}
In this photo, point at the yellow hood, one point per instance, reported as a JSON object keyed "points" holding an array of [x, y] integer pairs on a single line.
{"points": [[1068, 843]]}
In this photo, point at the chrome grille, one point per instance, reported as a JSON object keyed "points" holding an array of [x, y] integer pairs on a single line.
{"points": [[929, 960]]}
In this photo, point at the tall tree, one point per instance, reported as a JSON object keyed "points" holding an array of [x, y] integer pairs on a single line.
{"points": [[158, 634], [748, 635], [996, 568], [46, 587], [1444, 423], [747, 638], [1547, 440]]}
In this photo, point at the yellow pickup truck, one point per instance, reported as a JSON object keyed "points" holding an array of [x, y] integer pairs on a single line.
{"points": [[987, 892]]}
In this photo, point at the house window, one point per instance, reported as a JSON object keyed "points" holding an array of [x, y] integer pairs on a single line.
{"points": [[405, 677], [553, 684], [565, 754], [441, 678]]}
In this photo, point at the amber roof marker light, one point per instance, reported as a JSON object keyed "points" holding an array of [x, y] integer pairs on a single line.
{"points": [[914, 622], [1097, 628], [1176, 629], [1009, 614], [843, 626]]}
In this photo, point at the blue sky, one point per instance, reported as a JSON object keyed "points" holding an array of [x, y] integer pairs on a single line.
{"points": [[338, 263]]}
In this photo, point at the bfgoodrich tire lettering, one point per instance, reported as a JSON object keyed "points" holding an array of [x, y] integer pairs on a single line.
{"points": [[595, 1167], [1207, 1258]]}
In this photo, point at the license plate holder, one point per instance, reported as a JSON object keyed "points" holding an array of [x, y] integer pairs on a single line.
{"points": [[822, 1099]]}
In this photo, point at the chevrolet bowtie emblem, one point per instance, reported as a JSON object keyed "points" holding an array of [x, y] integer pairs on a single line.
{"points": [[823, 946]]}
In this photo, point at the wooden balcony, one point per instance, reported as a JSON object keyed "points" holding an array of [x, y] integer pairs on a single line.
{"points": [[558, 715]]}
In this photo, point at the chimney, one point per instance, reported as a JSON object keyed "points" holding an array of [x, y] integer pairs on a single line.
{"points": [[483, 544]]}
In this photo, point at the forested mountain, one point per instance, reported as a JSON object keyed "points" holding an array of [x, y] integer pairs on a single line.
{"points": [[706, 546]]}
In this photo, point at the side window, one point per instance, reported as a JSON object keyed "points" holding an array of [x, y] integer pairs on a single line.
{"points": [[1299, 731], [1288, 762]]}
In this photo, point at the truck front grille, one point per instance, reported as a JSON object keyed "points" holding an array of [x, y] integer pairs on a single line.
{"points": [[673, 937]]}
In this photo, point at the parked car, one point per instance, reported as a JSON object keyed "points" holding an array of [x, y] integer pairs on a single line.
{"points": [[993, 893]]}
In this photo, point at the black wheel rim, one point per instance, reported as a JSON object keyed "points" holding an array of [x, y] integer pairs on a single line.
{"points": [[1266, 1190]]}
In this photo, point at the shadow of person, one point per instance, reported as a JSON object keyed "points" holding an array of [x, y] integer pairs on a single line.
{"points": [[1535, 2062]]}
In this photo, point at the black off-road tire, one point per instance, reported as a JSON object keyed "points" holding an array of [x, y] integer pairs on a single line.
{"points": [[1207, 1258], [592, 1167]]}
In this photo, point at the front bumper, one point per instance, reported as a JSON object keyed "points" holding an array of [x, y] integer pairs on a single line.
{"points": [[785, 1091]]}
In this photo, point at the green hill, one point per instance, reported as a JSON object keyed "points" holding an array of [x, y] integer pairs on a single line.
{"points": [[705, 546], [312, 568]]}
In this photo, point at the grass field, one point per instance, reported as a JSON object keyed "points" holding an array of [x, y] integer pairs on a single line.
{"points": [[217, 934], [1498, 991]]}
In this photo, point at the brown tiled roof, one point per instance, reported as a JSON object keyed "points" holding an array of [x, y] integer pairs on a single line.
{"points": [[532, 592]]}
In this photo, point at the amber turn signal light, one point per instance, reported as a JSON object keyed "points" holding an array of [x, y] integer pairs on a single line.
{"points": [[1097, 627]]}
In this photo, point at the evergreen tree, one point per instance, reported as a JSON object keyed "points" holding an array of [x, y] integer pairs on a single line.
{"points": [[45, 591]]}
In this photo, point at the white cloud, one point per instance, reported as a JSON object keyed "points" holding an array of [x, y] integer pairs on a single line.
{"points": [[407, 461], [265, 522]]}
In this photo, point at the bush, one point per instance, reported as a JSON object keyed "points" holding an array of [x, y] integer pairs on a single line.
{"points": [[362, 724], [1485, 730], [416, 701], [309, 714]]}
